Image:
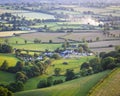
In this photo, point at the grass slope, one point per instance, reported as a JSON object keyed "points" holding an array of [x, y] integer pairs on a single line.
{"points": [[9, 57], [77, 87], [6, 77], [110, 86]]}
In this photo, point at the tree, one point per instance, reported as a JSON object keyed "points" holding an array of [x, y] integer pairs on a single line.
{"points": [[20, 76], [69, 74], [19, 66], [95, 63], [57, 71], [5, 92], [4, 48], [42, 84], [49, 81], [4, 66], [16, 86], [108, 63], [57, 81], [56, 56], [80, 50], [50, 41], [25, 41]]}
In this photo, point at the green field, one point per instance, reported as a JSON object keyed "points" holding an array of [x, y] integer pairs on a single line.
{"points": [[77, 87], [39, 47], [73, 63], [110, 86], [9, 57], [6, 77]]}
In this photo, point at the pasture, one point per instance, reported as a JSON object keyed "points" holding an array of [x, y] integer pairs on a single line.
{"points": [[75, 87], [6, 77], [110, 86], [34, 15], [10, 58], [73, 63]]}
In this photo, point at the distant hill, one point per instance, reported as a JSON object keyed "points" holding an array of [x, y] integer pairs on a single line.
{"points": [[60, 1]]}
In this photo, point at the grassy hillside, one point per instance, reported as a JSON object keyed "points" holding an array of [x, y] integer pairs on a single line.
{"points": [[9, 57], [110, 86], [6, 77], [77, 87]]}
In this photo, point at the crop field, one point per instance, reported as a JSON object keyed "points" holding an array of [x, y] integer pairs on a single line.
{"points": [[64, 12], [89, 36], [6, 77], [10, 33], [104, 43], [44, 37], [98, 50], [110, 86], [34, 15], [75, 87], [10, 58]]}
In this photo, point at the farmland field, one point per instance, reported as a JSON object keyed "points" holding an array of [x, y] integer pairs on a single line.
{"points": [[73, 63], [110, 86], [34, 15], [71, 88], [9, 57], [39, 47], [44, 37], [10, 33], [6, 77]]}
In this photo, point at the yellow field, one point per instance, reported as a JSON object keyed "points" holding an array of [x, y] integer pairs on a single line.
{"points": [[110, 86], [10, 58]]}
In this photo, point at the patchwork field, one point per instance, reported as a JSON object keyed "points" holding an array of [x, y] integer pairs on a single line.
{"points": [[9, 57], [110, 86], [44, 37], [10, 33], [75, 87]]}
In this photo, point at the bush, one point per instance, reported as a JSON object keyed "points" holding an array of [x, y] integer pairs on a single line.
{"points": [[5, 92], [57, 81]]}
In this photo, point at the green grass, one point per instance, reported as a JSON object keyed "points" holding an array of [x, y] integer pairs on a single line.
{"points": [[6, 77], [73, 63], [77, 87], [39, 47], [9, 57], [13, 40]]}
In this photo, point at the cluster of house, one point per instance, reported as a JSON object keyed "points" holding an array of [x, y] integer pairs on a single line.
{"points": [[64, 54]]}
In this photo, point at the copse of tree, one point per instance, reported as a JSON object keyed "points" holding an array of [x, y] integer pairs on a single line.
{"points": [[86, 69], [4, 48], [57, 71], [95, 63], [21, 76], [70, 75], [56, 56], [108, 63], [42, 84], [16, 86], [5, 92], [59, 81]]}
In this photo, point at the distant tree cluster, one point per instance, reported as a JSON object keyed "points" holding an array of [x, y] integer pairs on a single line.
{"points": [[106, 61], [5, 48]]}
